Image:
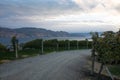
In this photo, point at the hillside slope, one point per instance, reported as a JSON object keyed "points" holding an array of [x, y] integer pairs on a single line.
{"points": [[31, 32]]}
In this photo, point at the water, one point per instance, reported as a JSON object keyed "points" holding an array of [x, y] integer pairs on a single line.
{"points": [[7, 41]]}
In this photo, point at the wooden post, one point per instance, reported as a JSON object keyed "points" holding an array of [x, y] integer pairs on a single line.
{"points": [[101, 68], [16, 49], [93, 61], [94, 37]]}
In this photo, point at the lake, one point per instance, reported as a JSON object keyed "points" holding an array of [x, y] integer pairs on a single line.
{"points": [[7, 41]]}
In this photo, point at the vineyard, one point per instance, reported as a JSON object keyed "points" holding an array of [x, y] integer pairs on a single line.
{"points": [[106, 49], [40, 46]]}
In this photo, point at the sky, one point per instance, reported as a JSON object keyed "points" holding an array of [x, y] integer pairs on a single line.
{"points": [[61, 15]]}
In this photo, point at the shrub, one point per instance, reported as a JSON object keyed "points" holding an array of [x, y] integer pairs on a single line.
{"points": [[2, 47]]}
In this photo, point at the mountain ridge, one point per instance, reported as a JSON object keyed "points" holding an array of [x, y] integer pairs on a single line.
{"points": [[31, 32]]}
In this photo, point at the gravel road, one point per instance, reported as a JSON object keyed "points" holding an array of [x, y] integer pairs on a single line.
{"points": [[66, 65]]}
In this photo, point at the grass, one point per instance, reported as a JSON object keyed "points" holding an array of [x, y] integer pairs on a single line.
{"points": [[115, 70], [28, 53], [11, 55], [7, 55]]}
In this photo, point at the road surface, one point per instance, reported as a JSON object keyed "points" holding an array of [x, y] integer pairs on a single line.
{"points": [[66, 65]]}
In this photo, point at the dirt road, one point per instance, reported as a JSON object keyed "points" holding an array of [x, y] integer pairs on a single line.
{"points": [[67, 65]]}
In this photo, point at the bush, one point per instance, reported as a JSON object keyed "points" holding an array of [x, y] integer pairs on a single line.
{"points": [[108, 47], [35, 44], [2, 47]]}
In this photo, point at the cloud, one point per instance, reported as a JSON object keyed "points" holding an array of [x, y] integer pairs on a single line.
{"points": [[53, 14], [98, 5], [86, 4], [38, 7], [118, 8], [78, 27]]}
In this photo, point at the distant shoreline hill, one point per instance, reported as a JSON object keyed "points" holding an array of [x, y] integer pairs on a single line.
{"points": [[28, 32], [31, 32]]}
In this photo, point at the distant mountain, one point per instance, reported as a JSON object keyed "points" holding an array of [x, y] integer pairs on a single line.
{"points": [[31, 32]]}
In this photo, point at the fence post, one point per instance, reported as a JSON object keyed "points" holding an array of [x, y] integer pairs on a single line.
{"points": [[93, 61], [99, 73], [16, 49]]}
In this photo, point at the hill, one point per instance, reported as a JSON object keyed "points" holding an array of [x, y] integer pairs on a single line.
{"points": [[31, 32]]}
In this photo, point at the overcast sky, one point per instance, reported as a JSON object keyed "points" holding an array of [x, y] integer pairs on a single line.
{"points": [[65, 15]]}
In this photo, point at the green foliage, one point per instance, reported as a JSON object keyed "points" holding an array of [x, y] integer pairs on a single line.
{"points": [[2, 47], [108, 47], [34, 47], [63, 45], [73, 44], [50, 45], [7, 55], [28, 52], [82, 44], [35, 44], [115, 69], [54, 43], [22, 53]]}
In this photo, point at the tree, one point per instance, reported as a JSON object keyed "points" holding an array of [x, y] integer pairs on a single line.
{"points": [[94, 38], [107, 48]]}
